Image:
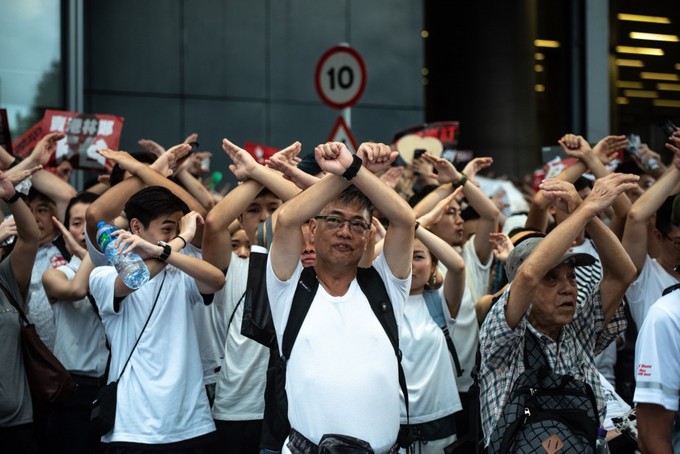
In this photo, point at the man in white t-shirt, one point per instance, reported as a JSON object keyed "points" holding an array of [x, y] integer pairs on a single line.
{"points": [[161, 402], [342, 374], [657, 391]]}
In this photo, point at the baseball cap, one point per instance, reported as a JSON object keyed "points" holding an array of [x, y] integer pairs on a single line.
{"points": [[520, 253]]}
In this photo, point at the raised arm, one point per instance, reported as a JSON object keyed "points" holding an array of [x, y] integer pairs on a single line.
{"points": [[216, 234], [635, 233], [28, 234], [59, 288], [548, 252], [483, 205]]}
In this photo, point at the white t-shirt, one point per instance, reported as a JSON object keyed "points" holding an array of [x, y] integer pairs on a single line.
{"points": [[657, 354], [465, 334], [81, 342], [239, 394], [427, 364], [161, 398], [647, 288], [616, 406], [342, 375]]}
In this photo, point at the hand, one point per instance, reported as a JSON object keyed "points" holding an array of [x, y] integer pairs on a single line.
{"points": [[45, 147], [423, 168], [193, 137], [376, 156], [500, 200], [125, 242], [473, 167], [72, 245], [607, 148], [446, 172], [151, 146], [501, 246], [193, 163], [188, 225], [436, 213], [576, 147], [6, 187], [124, 160], [647, 154], [562, 194], [8, 228], [243, 163], [673, 145], [333, 157], [283, 160], [165, 162], [606, 189], [377, 229], [392, 176], [17, 176]]}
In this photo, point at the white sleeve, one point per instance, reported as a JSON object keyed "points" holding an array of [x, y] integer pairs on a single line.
{"points": [[102, 280], [97, 257]]}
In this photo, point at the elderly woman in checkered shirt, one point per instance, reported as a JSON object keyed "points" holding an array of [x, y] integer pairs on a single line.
{"points": [[542, 298]]}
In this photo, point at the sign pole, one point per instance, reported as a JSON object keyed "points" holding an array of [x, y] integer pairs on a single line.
{"points": [[347, 115]]}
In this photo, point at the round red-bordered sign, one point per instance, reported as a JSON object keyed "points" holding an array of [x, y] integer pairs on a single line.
{"points": [[340, 77]]}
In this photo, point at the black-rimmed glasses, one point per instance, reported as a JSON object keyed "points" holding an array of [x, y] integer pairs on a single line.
{"points": [[335, 222]]}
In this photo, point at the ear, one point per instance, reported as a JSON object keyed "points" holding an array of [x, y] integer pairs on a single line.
{"points": [[135, 226], [312, 228]]}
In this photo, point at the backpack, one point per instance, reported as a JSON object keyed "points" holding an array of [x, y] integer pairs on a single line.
{"points": [[258, 326], [546, 412], [434, 306]]}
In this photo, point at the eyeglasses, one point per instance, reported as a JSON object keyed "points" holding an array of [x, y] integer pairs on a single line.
{"points": [[336, 222], [675, 241]]}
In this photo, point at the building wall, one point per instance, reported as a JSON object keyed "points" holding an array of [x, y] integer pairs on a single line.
{"points": [[244, 69]]}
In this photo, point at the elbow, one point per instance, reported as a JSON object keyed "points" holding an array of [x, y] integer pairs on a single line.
{"points": [[93, 215], [635, 216]]}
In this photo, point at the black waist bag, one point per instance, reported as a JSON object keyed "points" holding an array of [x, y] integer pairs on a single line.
{"points": [[546, 412]]}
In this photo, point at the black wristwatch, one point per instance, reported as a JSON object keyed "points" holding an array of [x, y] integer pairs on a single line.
{"points": [[167, 249]]}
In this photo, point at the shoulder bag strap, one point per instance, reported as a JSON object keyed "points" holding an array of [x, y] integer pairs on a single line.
{"points": [[533, 353], [434, 306], [143, 328], [374, 288]]}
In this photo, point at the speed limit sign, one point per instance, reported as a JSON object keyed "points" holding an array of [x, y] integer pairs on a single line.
{"points": [[340, 77]]}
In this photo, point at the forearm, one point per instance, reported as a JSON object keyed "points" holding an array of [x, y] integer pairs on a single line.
{"points": [[196, 189], [480, 202], [385, 199], [311, 201], [446, 254], [275, 182], [652, 199], [152, 178], [429, 201], [569, 174], [208, 278], [55, 188], [110, 204], [6, 159], [622, 203], [26, 245]]}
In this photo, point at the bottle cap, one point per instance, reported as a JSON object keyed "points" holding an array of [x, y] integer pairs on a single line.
{"points": [[100, 224]]}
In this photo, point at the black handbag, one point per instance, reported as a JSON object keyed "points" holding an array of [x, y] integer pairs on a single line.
{"points": [[103, 414]]}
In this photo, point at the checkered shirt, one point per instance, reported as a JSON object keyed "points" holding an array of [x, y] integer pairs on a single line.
{"points": [[502, 352]]}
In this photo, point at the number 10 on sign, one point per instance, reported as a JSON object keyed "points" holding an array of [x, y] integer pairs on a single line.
{"points": [[340, 77]]}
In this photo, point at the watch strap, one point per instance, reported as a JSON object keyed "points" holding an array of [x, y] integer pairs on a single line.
{"points": [[353, 169], [167, 249]]}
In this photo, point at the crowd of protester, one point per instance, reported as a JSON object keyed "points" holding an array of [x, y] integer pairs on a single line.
{"points": [[576, 264]]}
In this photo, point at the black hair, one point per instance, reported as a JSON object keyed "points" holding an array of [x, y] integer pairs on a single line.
{"points": [[117, 174], [153, 202], [82, 197], [663, 216], [353, 196], [34, 194], [582, 183], [264, 192]]}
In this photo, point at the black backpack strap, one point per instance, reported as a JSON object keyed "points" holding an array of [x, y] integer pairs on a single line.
{"points": [[60, 244], [302, 301], [534, 358], [374, 288]]}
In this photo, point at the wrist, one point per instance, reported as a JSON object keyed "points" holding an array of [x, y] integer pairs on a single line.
{"points": [[13, 198], [352, 170], [460, 182], [181, 238]]}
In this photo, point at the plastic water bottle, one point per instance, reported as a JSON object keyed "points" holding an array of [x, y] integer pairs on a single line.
{"points": [[601, 446], [130, 266]]}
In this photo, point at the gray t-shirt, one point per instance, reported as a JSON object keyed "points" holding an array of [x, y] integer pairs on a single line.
{"points": [[15, 400]]}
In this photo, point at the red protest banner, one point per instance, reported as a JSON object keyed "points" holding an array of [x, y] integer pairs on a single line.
{"points": [[85, 133], [446, 131], [259, 152]]}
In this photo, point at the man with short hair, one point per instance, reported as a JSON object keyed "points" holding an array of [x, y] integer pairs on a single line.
{"points": [[342, 374], [161, 403]]}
